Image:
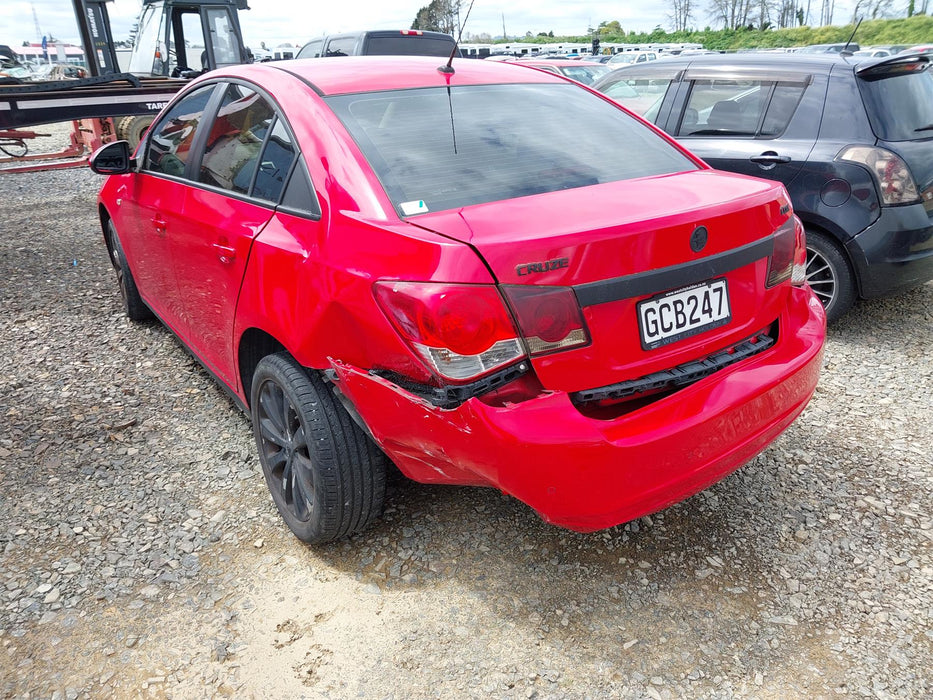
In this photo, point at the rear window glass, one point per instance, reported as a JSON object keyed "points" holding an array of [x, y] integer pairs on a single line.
{"points": [[407, 45], [900, 102], [435, 149]]}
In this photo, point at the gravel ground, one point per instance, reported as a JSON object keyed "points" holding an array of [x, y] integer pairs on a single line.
{"points": [[140, 554]]}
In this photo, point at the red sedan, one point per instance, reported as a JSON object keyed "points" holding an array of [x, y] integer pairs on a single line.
{"points": [[383, 257]]}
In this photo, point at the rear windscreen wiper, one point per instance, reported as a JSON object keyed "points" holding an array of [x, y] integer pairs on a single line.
{"points": [[928, 127]]}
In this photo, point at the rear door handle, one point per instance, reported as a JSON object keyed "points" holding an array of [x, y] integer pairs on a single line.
{"points": [[769, 158], [159, 225], [225, 253]]}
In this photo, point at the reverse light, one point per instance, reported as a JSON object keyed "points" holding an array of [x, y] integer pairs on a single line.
{"points": [[789, 258], [894, 180], [460, 331], [549, 318]]}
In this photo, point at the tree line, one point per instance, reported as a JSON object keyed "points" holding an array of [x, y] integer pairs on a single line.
{"points": [[787, 22]]}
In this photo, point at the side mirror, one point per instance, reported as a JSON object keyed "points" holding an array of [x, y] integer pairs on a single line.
{"points": [[112, 159]]}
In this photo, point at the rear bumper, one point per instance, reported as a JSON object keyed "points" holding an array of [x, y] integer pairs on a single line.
{"points": [[895, 253], [587, 474]]}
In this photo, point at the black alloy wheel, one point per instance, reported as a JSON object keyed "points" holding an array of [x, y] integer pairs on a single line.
{"points": [[326, 476], [133, 304]]}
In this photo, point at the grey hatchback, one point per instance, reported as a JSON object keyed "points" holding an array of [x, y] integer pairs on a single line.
{"points": [[851, 140]]}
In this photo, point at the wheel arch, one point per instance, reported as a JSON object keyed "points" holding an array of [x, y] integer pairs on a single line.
{"points": [[254, 345], [810, 225]]}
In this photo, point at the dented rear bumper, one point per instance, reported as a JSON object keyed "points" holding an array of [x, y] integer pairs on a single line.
{"points": [[586, 474]]}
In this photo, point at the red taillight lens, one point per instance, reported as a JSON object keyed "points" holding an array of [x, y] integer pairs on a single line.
{"points": [[891, 173], [549, 317], [789, 259], [461, 331]]}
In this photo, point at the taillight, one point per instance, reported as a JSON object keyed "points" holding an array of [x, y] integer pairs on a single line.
{"points": [[789, 259], [894, 180], [460, 331], [549, 317]]}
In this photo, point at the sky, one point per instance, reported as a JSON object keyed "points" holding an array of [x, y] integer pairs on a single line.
{"points": [[297, 21]]}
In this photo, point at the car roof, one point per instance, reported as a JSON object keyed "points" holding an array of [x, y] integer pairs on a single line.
{"points": [[342, 75]]}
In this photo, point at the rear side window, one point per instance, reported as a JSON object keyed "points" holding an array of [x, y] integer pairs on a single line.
{"points": [[231, 153], [275, 164], [739, 108], [169, 146], [345, 46], [436, 149], [899, 101]]}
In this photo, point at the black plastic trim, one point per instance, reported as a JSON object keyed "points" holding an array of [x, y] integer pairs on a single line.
{"points": [[679, 376], [452, 395], [656, 281]]}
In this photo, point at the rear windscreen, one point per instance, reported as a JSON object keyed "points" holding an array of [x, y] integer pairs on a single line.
{"points": [[440, 148], [407, 45], [899, 99]]}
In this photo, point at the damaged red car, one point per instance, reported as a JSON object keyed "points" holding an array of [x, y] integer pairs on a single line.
{"points": [[386, 258]]}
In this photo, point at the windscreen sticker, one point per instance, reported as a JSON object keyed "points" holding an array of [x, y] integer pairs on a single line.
{"points": [[416, 207]]}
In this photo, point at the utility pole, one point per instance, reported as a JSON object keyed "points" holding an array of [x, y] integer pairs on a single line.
{"points": [[504, 35], [35, 20]]}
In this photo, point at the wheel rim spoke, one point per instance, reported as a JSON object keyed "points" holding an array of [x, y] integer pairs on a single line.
{"points": [[821, 277], [285, 454], [303, 493], [270, 404], [272, 433]]}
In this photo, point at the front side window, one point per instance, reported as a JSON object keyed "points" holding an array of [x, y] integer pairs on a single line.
{"points": [[435, 149], [312, 49], [169, 147], [640, 95], [235, 140]]}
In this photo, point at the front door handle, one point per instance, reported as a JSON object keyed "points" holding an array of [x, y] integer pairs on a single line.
{"points": [[769, 158], [225, 253], [159, 225]]}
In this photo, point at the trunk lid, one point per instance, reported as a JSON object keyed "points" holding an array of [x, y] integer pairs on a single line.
{"points": [[632, 243], [898, 95]]}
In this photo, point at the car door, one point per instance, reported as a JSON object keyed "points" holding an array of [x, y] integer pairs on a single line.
{"points": [[247, 153], [759, 123], [153, 210]]}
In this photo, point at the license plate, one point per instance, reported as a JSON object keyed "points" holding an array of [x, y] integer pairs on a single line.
{"points": [[675, 315]]}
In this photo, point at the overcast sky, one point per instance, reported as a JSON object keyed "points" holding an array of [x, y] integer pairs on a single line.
{"points": [[296, 21]]}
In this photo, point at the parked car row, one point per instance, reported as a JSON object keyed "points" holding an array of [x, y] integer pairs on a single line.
{"points": [[851, 140]]}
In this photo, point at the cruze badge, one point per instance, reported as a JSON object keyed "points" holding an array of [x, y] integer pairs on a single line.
{"points": [[546, 266]]}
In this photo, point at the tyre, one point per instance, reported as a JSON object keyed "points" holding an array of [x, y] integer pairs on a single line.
{"points": [[133, 303], [829, 275], [326, 477], [132, 129]]}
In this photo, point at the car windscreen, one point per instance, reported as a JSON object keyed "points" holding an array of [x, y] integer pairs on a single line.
{"points": [[899, 99], [407, 45], [438, 148]]}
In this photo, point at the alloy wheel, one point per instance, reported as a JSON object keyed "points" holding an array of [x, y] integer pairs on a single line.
{"points": [[821, 277], [284, 445]]}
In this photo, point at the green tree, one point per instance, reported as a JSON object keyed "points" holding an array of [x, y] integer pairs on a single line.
{"points": [[439, 16]]}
